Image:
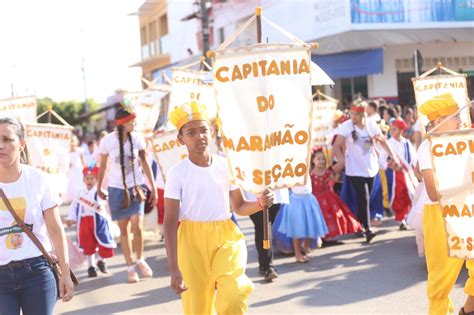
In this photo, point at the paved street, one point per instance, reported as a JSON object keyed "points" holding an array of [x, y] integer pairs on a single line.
{"points": [[353, 278]]}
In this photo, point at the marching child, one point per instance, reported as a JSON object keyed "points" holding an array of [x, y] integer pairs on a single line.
{"points": [[443, 114], [403, 176], [207, 255], [302, 221], [93, 230], [339, 218]]}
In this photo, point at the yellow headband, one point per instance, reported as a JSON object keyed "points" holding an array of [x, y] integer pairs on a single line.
{"points": [[186, 113], [439, 106]]}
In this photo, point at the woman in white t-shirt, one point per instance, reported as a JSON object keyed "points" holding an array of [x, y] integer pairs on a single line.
{"points": [[122, 148], [26, 279], [360, 158]]}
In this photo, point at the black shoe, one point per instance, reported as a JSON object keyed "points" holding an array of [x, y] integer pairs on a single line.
{"points": [[261, 271], [91, 272], [270, 274], [369, 235], [102, 266], [327, 243], [388, 212], [403, 226]]}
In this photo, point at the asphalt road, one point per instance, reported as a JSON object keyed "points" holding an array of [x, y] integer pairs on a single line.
{"points": [[385, 277]]}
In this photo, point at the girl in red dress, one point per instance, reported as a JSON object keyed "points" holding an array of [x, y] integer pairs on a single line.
{"points": [[337, 215]]}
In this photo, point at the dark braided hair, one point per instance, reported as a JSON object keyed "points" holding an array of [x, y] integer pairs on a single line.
{"points": [[121, 113]]}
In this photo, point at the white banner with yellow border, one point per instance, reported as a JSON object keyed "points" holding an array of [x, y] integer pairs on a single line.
{"points": [[265, 104], [147, 106], [48, 148], [323, 122], [453, 164], [22, 108], [192, 85], [428, 87]]}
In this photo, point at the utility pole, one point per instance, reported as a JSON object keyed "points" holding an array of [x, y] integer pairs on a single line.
{"points": [[86, 105], [205, 28]]}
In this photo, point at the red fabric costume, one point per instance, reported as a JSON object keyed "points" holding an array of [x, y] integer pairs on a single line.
{"points": [[337, 215]]}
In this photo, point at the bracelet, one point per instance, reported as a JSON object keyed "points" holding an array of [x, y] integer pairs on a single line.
{"points": [[259, 200]]}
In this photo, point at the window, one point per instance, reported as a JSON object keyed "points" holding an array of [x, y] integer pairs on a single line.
{"points": [[353, 86], [221, 35], [152, 38], [144, 41]]}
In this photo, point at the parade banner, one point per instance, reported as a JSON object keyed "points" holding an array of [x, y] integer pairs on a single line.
{"points": [[188, 85], [22, 108], [430, 86], [323, 122], [264, 99], [48, 147], [147, 106], [167, 151], [453, 164]]}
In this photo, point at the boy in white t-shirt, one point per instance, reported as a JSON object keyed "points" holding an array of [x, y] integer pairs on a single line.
{"points": [[443, 114], [207, 255]]}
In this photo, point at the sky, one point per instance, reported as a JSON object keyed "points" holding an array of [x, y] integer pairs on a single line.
{"points": [[44, 43]]}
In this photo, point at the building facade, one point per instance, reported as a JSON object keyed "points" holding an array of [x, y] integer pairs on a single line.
{"points": [[366, 46]]}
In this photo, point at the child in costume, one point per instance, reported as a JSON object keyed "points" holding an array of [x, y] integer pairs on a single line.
{"points": [[404, 181], [443, 114], [338, 217], [93, 230], [302, 221], [207, 255]]}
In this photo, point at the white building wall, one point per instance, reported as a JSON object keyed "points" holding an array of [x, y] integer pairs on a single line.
{"points": [[182, 34], [385, 85], [306, 20]]}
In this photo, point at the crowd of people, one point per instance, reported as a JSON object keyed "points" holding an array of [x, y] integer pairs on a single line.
{"points": [[371, 169]]}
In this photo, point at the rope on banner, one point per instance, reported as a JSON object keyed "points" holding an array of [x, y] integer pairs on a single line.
{"points": [[50, 111], [438, 67], [319, 94]]}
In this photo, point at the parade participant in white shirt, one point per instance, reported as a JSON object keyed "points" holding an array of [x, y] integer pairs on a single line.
{"points": [[27, 282], [360, 159]]}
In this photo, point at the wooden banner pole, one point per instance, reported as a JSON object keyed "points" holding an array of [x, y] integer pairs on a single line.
{"points": [[50, 108], [266, 222]]}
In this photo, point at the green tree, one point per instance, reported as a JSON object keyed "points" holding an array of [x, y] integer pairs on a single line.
{"points": [[70, 111]]}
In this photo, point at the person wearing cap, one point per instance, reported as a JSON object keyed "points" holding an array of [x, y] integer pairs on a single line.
{"points": [[207, 255], [403, 177], [355, 150], [93, 229], [442, 112], [123, 151]]}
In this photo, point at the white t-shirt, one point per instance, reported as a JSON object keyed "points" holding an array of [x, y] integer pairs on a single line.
{"points": [[400, 148], [303, 190], [109, 145], [424, 161], [361, 157], [203, 191], [30, 195]]}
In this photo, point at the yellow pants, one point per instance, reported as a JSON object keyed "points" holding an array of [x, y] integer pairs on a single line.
{"points": [[442, 269], [212, 257]]}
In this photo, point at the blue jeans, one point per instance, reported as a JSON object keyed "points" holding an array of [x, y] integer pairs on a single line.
{"points": [[27, 284]]}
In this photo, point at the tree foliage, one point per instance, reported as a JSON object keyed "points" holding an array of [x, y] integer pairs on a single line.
{"points": [[68, 110]]}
